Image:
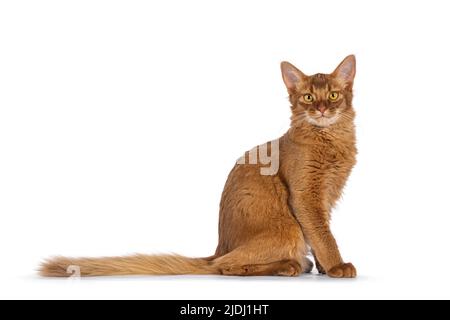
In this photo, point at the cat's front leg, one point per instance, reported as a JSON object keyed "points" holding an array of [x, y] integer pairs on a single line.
{"points": [[315, 226], [319, 267]]}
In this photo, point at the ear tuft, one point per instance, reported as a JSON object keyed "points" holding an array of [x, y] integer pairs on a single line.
{"points": [[346, 70], [291, 76]]}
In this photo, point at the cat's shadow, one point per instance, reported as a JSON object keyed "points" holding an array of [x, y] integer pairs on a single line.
{"points": [[191, 278]]}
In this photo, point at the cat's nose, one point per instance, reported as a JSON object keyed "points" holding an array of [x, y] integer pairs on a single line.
{"points": [[322, 108]]}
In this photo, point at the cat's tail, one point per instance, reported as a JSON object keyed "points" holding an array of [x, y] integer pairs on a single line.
{"points": [[131, 265]]}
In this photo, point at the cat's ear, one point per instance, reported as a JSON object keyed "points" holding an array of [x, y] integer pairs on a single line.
{"points": [[291, 76], [346, 70]]}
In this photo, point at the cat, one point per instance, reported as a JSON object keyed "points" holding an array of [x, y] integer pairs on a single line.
{"points": [[270, 219]]}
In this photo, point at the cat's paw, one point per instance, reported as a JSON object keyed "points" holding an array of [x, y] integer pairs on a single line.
{"points": [[307, 265], [344, 270], [290, 269]]}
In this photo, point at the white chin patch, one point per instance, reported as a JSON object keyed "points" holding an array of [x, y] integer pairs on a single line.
{"points": [[322, 121]]}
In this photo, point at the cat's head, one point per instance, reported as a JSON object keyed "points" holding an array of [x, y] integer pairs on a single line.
{"points": [[321, 99]]}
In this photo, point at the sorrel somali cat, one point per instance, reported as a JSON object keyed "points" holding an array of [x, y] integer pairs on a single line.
{"points": [[268, 221]]}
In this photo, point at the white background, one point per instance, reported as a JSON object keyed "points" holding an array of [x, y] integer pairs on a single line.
{"points": [[120, 120]]}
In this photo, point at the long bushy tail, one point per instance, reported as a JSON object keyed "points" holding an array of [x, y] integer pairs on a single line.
{"points": [[132, 265]]}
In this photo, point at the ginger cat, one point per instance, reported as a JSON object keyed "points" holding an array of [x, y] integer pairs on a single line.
{"points": [[269, 217]]}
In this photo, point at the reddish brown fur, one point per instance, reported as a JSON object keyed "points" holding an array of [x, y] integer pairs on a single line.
{"points": [[268, 222]]}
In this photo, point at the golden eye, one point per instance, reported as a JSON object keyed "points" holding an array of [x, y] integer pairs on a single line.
{"points": [[333, 96], [308, 98]]}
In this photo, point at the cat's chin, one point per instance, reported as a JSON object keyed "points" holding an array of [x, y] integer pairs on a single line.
{"points": [[322, 122]]}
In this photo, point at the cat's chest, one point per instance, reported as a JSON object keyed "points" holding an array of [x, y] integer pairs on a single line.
{"points": [[323, 171], [318, 163], [327, 156]]}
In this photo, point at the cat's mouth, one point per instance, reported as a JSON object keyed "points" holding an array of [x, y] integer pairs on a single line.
{"points": [[322, 120]]}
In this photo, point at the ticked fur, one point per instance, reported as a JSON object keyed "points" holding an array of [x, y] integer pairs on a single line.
{"points": [[267, 222]]}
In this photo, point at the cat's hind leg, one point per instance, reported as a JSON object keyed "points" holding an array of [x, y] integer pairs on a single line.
{"points": [[259, 259], [288, 268]]}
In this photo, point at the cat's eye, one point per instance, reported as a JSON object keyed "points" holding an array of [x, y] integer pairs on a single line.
{"points": [[333, 96], [308, 98]]}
